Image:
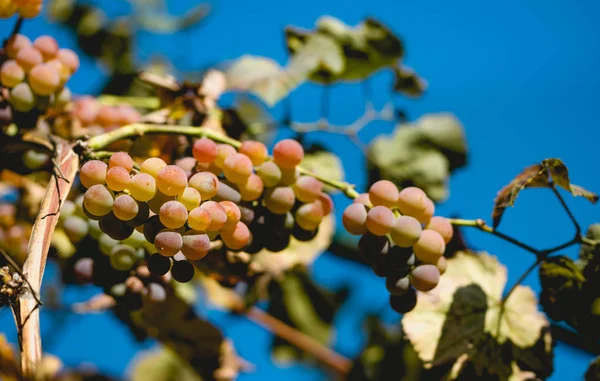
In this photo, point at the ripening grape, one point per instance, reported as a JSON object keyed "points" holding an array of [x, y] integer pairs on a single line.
{"points": [[442, 265], [28, 57], [225, 192], [218, 215], [121, 159], [16, 43], [173, 214], [188, 164], [404, 303], [114, 227], [107, 116], [158, 200], [223, 151], [190, 198], [93, 172], [171, 180], [309, 216], [182, 271], [117, 179], [152, 166], [326, 203], [44, 79], [430, 246], [199, 219], [288, 153], [397, 286], [152, 227], [425, 277], [233, 214], [256, 151], [69, 58], [252, 189], [204, 150], [158, 265], [47, 45], [106, 243], [35, 160], [236, 238], [195, 245], [84, 270], [380, 220], [279, 200], [125, 207], [269, 173], [383, 192], [168, 242], [354, 219], [31, 10], [237, 168], [98, 200], [307, 188], [11, 73], [63, 71], [142, 187], [441, 225], [156, 293], [288, 176], [412, 201], [123, 257], [364, 199], [22, 97], [141, 217], [206, 183], [304, 235], [76, 228], [406, 231]]}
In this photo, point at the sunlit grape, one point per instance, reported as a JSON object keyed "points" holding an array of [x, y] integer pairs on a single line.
{"points": [[47, 45], [117, 178], [173, 214], [44, 79], [380, 220], [125, 207], [121, 159], [309, 216], [98, 200], [204, 150], [237, 168], [236, 238], [270, 173], [168, 242], [256, 151], [16, 43], [442, 265], [142, 187], [152, 166], [288, 153], [279, 200], [11, 73], [425, 277], [364, 199], [22, 97], [307, 188], [430, 246], [383, 192], [199, 219], [190, 198], [441, 225], [227, 192], [76, 228], [195, 245], [218, 215], [354, 219], [223, 151], [406, 231], [28, 57], [69, 58], [206, 183], [252, 189], [171, 180]]}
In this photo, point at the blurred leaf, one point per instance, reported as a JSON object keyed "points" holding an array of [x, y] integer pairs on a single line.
{"points": [[158, 21], [326, 164], [461, 321], [161, 364], [561, 281], [560, 176], [407, 82], [589, 255], [593, 372]]}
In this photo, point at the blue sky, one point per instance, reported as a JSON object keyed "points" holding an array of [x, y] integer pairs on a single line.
{"points": [[521, 76]]}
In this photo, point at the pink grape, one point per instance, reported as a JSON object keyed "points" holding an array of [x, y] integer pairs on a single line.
{"points": [[11, 73], [237, 168], [188, 164], [204, 150], [279, 200], [425, 277], [428, 213], [86, 109], [44, 79], [158, 200], [190, 198], [199, 219], [117, 178], [173, 214], [307, 188], [98, 200], [380, 220], [218, 215], [383, 192], [125, 207], [441, 225], [270, 173], [16, 43], [168, 242], [142, 187], [406, 231], [29, 57], [195, 245], [206, 183], [69, 58], [236, 238], [430, 246], [288, 153], [309, 216], [233, 214], [47, 45], [252, 189], [412, 202], [152, 166], [442, 265], [121, 159], [93, 172], [223, 151], [108, 116], [127, 114], [354, 219], [326, 203], [171, 180], [256, 151]]}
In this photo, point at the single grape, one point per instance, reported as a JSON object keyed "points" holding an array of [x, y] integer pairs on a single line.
{"points": [[233, 214], [326, 203], [152, 166], [354, 219], [380, 220], [412, 201], [430, 246], [279, 200], [182, 271], [93, 172], [11, 73], [76, 228], [256, 151], [404, 303], [204, 150], [288, 176], [441, 225], [28, 57], [62, 98], [237, 168], [158, 265], [364, 199], [199, 219], [156, 293], [35, 160], [426, 216], [190, 198], [383, 192], [106, 243], [142, 187], [304, 235], [84, 270], [22, 98], [397, 286], [123, 257], [206, 183], [108, 116], [44, 79], [68, 58], [168, 242], [141, 217], [114, 227], [125, 207], [223, 151], [425, 277], [152, 227], [252, 189], [218, 215], [406, 231], [16, 43], [236, 238], [442, 265], [269, 173], [159, 200], [195, 245], [309, 216], [171, 180], [173, 214], [226, 192], [307, 188], [47, 45], [63, 71], [117, 179], [98, 200], [118, 290], [373, 247], [127, 114], [121, 159], [277, 242], [288, 153]]}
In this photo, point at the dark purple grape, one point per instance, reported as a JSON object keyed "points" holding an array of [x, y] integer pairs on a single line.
{"points": [[152, 227], [182, 271], [158, 265], [404, 303], [142, 215], [277, 242], [304, 235], [372, 247], [114, 227]]}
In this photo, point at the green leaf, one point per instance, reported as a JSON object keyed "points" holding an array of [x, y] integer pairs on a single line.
{"points": [[561, 281], [326, 164], [161, 364], [408, 82]]}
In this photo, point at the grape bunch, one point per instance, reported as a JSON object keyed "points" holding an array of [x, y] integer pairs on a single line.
{"points": [[96, 118], [25, 8], [14, 232], [401, 238], [35, 73]]}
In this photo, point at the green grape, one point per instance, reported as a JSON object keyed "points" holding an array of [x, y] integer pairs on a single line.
{"points": [[279, 200], [397, 286], [354, 219], [441, 225], [171, 180], [226, 192], [412, 201], [28, 57], [204, 150], [233, 214], [252, 189], [141, 217], [44, 79], [199, 219], [47, 45], [158, 265], [182, 271], [173, 214], [22, 97], [223, 151], [11, 73], [94, 229], [118, 290], [425, 277], [117, 179], [152, 166], [237, 168], [67, 209], [256, 151], [380, 220], [384, 193], [98, 200], [218, 215], [326, 203], [142, 187], [288, 153], [121, 159], [123, 257], [76, 228], [269, 173], [190, 198], [106, 243], [16, 43], [68, 58], [152, 227], [288, 176], [307, 188], [93, 172], [158, 200], [62, 98], [206, 183], [404, 303], [406, 231], [35, 160], [236, 238], [156, 293], [125, 207], [195, 245], [309, 216], [114, 227], [168, 242], [430, 246], [84, 270]]}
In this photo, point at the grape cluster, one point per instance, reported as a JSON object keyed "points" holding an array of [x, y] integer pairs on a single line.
{"points": [[25, 8], [36, 73], [401, 238], [14, 233], [96, 118]]}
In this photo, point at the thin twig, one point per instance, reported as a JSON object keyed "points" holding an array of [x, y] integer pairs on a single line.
{"points": [[481, 225], [566, 208]]}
